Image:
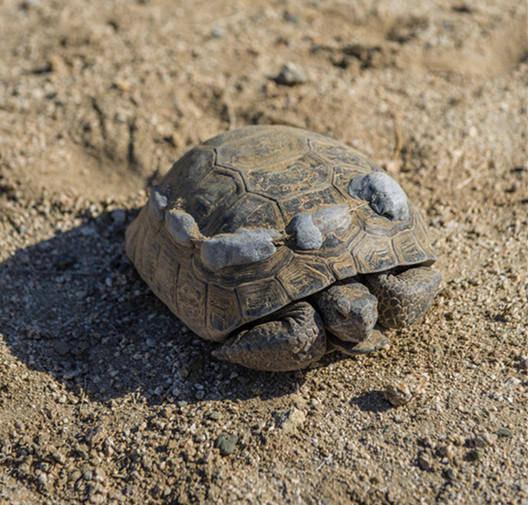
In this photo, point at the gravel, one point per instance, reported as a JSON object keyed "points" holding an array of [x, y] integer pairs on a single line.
{"points": [[98, 378]]}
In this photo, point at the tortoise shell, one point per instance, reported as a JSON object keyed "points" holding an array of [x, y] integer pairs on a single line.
{"points": [[262, 177]]}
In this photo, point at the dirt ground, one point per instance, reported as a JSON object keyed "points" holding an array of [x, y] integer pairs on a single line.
{"points": [[105, 397]]}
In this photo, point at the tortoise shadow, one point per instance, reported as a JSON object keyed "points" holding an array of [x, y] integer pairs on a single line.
{"points": [[372, 401], [73, 306]]}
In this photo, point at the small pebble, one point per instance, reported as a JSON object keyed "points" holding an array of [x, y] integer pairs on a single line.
{"points": [[227, 443], [290, 75], [475, 442], [472, 456], [217, 32], [118, 217], [448, 474], [424, 462], [403, 391], [504, 433], [288, 421]]}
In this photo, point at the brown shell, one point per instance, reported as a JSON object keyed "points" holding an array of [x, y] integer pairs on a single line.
{"points": [[263, 176]]}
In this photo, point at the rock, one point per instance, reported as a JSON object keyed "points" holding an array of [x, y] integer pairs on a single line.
{"points": [[290, 18], [448, 473], [472, 456], [62, 347], [290, 75], [290, 420], [425, 462], [217, 32], [445, 451], [513, 382], [118, 217], [504, 432], [403, 391], [476, 442], [227, 443]]}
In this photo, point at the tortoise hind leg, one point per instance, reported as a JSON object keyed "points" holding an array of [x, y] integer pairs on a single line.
{"points": [[404, 297], [294, 339]]}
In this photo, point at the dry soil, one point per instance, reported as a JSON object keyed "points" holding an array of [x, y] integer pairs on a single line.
{"points": [[105, 397]]}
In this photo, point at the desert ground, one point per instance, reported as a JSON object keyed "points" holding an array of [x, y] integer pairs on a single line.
{"points": [[105, 397]]}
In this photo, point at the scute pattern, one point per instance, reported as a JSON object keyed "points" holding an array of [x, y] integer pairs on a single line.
{"points": [[250, 210], [215, 193], [303, 174], [223, 314], [192, 298], [271, 147], [260, 298], [262, 176], [302, 278], [190, 169], [310, 200]]}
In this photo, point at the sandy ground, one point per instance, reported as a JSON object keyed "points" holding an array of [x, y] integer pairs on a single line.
{"points": [[105, 397]]}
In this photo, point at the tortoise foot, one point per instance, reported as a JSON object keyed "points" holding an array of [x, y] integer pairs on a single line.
{"points": [[404, 297], [376, 341], [294, 339]]}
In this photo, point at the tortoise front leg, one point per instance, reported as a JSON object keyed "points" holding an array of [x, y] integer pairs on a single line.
{"points": [[295, 338], [404, 297]]}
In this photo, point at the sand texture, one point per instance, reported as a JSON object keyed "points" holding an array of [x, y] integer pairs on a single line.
{"points": [[105, 397]]}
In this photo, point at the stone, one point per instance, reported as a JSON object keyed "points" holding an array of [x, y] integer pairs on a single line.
{"points": [[290, 420], [118, 217], [425, 462], [290, 75], [403, 391], [240, 248], [476, 442], [384, 194], [226, 443], [472, 456], [182, 227], [504, 432]]}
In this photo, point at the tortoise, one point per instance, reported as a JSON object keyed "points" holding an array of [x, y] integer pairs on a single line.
{"points": [[282, 245]]}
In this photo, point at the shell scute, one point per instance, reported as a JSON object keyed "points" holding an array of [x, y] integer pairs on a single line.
{"points": [[223, 314], [301, 174], [191, 299], [266, 146], [260, 298], [304, 276]]}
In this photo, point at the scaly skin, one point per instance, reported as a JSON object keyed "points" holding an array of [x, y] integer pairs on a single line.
{"points": [[294, 339], [348, 310], [403, 298]]}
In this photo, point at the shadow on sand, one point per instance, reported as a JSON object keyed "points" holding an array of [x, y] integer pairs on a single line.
{"points": [[73, 306], [372, 401]]}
